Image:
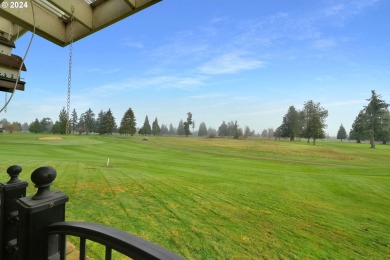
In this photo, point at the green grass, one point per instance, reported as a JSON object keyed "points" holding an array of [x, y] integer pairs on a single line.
{"points": [[222, 198]]}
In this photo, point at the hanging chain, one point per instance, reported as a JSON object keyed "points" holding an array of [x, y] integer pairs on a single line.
{"points": [[5, 102], [69, 73]]}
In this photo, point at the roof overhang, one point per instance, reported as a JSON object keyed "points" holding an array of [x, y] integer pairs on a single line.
{"points": [[52, 17]]}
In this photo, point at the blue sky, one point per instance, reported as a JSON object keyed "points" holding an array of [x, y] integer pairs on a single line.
{"points": [[221, 60]]}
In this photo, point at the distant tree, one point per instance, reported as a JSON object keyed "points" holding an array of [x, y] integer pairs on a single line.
{"points": [[223, 129], [264, 133], [128, 123], [314, 117], [358, 131], [35, 127], [211, 132], [164, 130], [4, 122], [180, 128], [107, 123], [88, 118], [59, 126], [172, 130], [74, 120], [13, 127], [278, 133], [193, 126], [342, 134], [271, 133], [187, 124], [202, 129], [155, 127], [81, 128], [240, 132], [46, 125], [233, 129], [291, 126], [374, 113], [146, 129], [247, 131], [25, 127], [384, 132], [99, 123]]}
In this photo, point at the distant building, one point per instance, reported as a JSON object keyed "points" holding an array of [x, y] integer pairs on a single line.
{"points": [[1, 128]]}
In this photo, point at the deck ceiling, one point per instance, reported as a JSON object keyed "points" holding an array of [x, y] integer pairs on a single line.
{"points": [[52, 17]]}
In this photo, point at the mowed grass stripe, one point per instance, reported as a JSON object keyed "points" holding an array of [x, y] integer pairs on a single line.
{"points": [[208, 204]]}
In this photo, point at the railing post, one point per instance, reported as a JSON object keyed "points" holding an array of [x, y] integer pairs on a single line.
{"points": [[9, 193], [36, 213]]}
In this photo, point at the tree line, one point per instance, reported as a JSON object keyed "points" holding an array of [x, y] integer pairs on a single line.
{"points": [[308, 122], [372, 123]]}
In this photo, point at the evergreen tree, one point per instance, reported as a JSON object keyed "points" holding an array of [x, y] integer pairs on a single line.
{"points": [[25, 127], [358, 131], [89, 121], [264, 133], [35, 127], [107, 124], [202, 129], [46, 125], [187, 124], [291, 126], [278, 133], [99, 123], [342, 134], [247, 131], [384, 132], [164, 130], [74, 120], [172, 130], [212, 132], [193, 126], [271, 133], [180, 128], [128, 123], [59, 126], [155, 127], [374, 113], [223, 129], [146, 129], [80, 128]]}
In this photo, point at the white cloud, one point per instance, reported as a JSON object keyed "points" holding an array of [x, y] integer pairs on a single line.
{"points": [[334, 10], [137, 45], [230, 63], [159, 82], [100, 70], [322, 44]]}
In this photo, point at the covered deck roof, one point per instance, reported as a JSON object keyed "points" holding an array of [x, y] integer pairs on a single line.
{"points": [[52, 17]]}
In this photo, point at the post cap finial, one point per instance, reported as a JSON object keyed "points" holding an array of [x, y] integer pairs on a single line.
{"points": [[13, 172], [43, 177]]}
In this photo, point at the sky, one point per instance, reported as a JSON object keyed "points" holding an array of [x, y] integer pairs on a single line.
{"points": [[221, 60]]}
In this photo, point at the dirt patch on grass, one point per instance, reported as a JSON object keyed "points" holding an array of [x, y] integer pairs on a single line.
{"points": [[50, 138]]}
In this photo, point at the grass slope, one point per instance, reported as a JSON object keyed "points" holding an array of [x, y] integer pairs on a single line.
{"points": [[222, 198]]}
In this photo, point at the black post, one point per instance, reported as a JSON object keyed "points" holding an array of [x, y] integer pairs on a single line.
{"points": [[36, 213], [9, 192]]}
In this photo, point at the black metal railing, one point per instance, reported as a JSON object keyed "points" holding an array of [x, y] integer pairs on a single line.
{"points": [[34, 227], [113, 239]]}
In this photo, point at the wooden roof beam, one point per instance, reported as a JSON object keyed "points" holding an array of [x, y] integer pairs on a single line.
{"points": [[83, 12], [47, 24]]}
